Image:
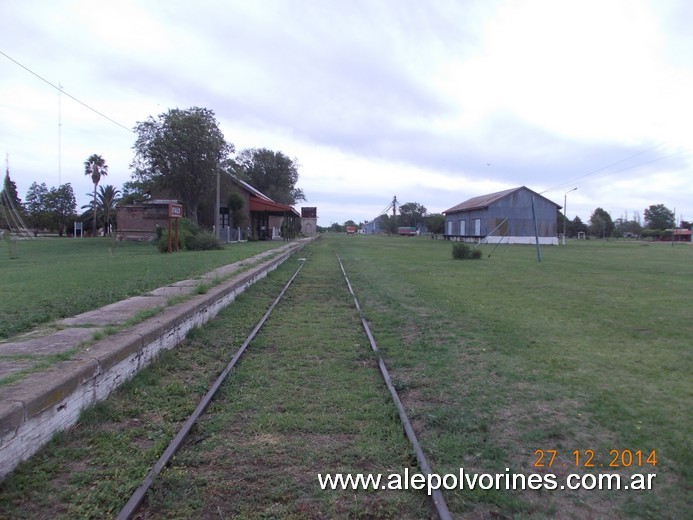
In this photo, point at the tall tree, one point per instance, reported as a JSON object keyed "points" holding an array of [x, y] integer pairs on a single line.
{"points": [[9, 202], [273, 173], [95, 167], [36, 208], [411, 214], [601, 224], [435, 222], [106, 200], [60, 205], [659, 217], [9, 189], [182, 151], [388, 223]]}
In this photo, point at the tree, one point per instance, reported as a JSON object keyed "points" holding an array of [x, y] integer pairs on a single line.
{"points": [[9, 202], [106, 200], [35, 205], [181, 150], [95, 167], [435, 222], [627, 228], [659, 217], [61, 206], [601, 224], [134, 191], [236, 203], [388, 223], [576, 226], [411, 214], [106, 203], [273, 173], [9, 191]]}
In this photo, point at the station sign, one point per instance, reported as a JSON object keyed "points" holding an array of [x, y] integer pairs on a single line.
{"points": [[175, 211]]}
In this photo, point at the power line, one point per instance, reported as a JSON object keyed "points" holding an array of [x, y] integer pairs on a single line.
{"points": [[59, 89], [576, 180]]}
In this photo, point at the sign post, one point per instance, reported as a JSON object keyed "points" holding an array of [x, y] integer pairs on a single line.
{"points": [[175, 211]]}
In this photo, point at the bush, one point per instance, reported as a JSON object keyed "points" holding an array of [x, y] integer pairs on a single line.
{"points": [[190, 238], [202, 241], [461, 251]]}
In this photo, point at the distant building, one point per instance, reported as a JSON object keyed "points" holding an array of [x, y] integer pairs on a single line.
{"points": [[682, 235], [261, 218], [507, 215], [140, 221], [309, 221]]}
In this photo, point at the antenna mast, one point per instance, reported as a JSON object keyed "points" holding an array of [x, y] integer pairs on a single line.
{"points": [[60, 125]]}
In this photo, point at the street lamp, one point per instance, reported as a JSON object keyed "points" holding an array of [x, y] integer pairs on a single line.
{"points": [[565, 210]]}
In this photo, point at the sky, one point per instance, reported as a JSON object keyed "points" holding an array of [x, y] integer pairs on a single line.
{"points": [[432, 102]]}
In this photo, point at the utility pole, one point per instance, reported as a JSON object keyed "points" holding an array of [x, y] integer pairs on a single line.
{"points": [[217, 207], [565, 211]]}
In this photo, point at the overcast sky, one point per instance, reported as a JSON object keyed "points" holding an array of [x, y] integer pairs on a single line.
{"points": [[434, 102]]}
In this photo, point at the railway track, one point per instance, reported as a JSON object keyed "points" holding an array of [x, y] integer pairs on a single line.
{"points": [[137, 498], [306, 401]]}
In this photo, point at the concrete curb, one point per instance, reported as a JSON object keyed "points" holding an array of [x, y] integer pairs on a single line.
{"points": [[34, 409]]}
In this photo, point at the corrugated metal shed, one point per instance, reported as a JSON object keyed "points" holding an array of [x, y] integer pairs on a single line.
{"points": [[484, 201], [506, 215]]}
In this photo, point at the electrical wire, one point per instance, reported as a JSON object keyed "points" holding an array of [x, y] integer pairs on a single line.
{"points": [[66, 93], [576, 181]]}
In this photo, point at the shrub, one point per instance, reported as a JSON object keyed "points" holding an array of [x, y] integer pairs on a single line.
{"points": [[461, 251], [190, 237], [202, 241]]}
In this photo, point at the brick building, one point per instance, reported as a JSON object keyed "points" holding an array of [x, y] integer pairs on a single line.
{"points": [[260, 217]]}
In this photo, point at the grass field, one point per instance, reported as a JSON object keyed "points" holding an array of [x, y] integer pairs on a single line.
{"points": [[53, 278], [588, 350], [494, 359]]}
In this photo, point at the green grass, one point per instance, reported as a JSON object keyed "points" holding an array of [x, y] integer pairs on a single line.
{"points": [[54, 278], [589, 349], [305, 398], [493, 359]]}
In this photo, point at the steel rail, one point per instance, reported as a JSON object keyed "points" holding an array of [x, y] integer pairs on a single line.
{"points": [[136, 499], [436, 495]]}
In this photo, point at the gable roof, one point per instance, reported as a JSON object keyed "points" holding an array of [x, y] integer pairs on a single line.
{"points": [[484, 201], [249, 188], [261, 202]]}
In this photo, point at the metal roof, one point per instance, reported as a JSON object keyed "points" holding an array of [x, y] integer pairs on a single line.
{"points": [[484, 201], [248, 187]]}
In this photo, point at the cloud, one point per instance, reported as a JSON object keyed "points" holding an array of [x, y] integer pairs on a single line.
{"points": [[434, 102]]}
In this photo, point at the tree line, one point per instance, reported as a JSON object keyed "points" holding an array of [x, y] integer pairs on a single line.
{"points": [[179, 152], [659, 222]]}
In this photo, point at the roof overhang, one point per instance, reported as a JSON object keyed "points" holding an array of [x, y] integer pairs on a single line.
{"points": [[273, 208]]}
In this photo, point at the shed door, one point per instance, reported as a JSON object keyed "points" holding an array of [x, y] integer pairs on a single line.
{"points": [[477, 227]]}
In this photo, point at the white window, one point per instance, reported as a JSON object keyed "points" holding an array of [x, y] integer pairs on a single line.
{"points": [[463, 227], [477, 227], [449, 227]]}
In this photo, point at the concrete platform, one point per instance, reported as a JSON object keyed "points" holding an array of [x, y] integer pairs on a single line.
{"points": [[51, 392], [115, 313]]}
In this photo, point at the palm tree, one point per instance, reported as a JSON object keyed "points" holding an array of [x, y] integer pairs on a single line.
{"points": [[95, 166], [108, 197]]}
